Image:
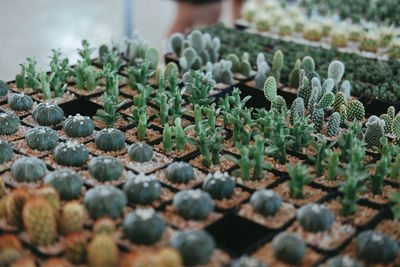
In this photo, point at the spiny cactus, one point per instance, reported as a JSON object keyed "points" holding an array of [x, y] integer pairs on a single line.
{"points": [[104, 225], [333, 124], [72, 218], [270, 89], [388, 123], [289, 248], [10, 249], [315, 217], [345, 88], [75, 248], [102, 251], [262, 71], [340, 99], [51, 195], [40, 221], [326, 100], [297, 109], [305, 89], [355, 110], [343, 114], [176, 41], [391, 112], [375, 130], [242, 65], [308, 66], [312, 102], [336, 71], [278, 103], [318, 119], [6, 151], [14, 203], [396, 126], [277, 65], [294, 77], [221, 71]]}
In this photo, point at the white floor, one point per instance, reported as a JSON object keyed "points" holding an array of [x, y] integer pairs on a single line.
{"points": [[34, 27]]}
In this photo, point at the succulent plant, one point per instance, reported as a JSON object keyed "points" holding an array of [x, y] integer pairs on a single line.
{"points": [[169, 257], [67, 182], [221, 71], [326, 100], [106, 201], [140, 152], [71, 153], [9, 123], [46, 114], [40, 221], [6, 151], [296, 110], [219, 185], [270, 89], [10, 249], [355, 110], [102, 251], [333, 124], [41, 138], [340, 261], [195, 247], [105, 168], [78, 126], [143, 226], [142, 189], [376, 248], [76, 248], [289, 248], [340, 99], [72, 219], [298, 179], [294, 77], [50, 194], [28, 169], [109, 114], [104, 225], [20, 102], [315, 217], [318, 119], [14, 202], [240, 65], [388, 123], [375, 130], [247, 261], [180, 172], [277, 65], [335, 71], [110, 139], [193, 204], [176, 41], [262, 71], [266, 202], [3, 88]]}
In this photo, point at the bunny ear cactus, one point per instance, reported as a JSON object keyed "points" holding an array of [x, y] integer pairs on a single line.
{"points": [[296, 110], [305, 89], [327, 87], [308, 65], [326, 100], [294, 77], [176, 41], [340, 99], [346, 89], [263, 69], [235, 62], [318, 119], [333, 124], [312, 102], [355, 110], [277, 65], [153, 57], [388, 123], [279, 103], [335, 72], [375, 130], [270, 91]]}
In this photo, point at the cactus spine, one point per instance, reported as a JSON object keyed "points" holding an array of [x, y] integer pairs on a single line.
{"points": [[296, 110], [318, 119]]}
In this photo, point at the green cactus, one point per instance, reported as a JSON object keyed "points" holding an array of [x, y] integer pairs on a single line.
{"points": [[289, 248], [277, 65], [391, 112], [305, 90], [75, 248], [104, 225], [340, 99], [6, 151], [343, 114], [262, 69], [355, 110], [312, 102], [13, 205], [396, 126], [270, 89], [375, 130], [176, 41], [326, 100], [335, 72], [40, 221], [318, 119], [308, 66], [298, 179], [72, 218], [333, 124], [388, 123], [266, 202], [102, 251], [294, 77], [279, 103], [296, 110]]}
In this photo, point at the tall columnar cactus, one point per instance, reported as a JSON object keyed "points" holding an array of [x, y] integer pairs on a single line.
{"points": [[396, 126], [270, 89], [102, 251], [355, 110], [375, 130], [343, 114], [13, 205], [318, 119], [294, 77], [75, 248], [297, 109], [336, 71], [277, 65], [305, 89], [312, 102], [72, 218], [333, 124], [326, 100], [40, 221], [388, 123], [340, 99]]}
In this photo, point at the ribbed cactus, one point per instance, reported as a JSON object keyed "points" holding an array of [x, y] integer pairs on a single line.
{"points": [[102, 251], [10, 249], [75, 248], [333, 124], [335, 72], [388, 123], [340, 99], [270, 89], [278, 103], [294, 77], [326, 100], [104, 225], [13, 205], [277, 65], [312, 102], [297, 109], [40, 221], [374, 131], [343, 114], [391, 112], [355, 110], [72, 218], [318, 119]]}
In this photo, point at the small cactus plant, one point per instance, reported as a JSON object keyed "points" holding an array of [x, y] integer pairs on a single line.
{"points": [[219, 185], [104, 225], [270, 89], [294, 77], [142, 189], [355, 110], [333, 124], [277, 65], [262, 71], [318, 119], [72, 219], [105, 201], [326, 100], [6, 151], [246, 261], [14, 202], [180, 172], [9, 123], [193, 204], [315, 217], [10, 249], [46, 114], [375, 130], [76, 248], [221, 71], [340, 99], [335, 72], [105, 168], [298, 179], [28, 169], [140, 152], [67, 182], [296, 110], [41, 138], [266, 202], [339, 261], [110, 139], [388, 123], [102, 251], [20, 102], [71, 153], [78, 126], [289, 248]]}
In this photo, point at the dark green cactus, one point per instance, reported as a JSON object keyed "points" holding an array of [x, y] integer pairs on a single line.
{"points": [[9, 123], [333, 124], [78, 126], [341, 261], [219, 185], [355, 110], [47, 114], [193, 204], [296, 110], [20, 102], [143, 226], [180, 172], [142, 189], [279, 103], [343, 114], [71, 154], [67, 182], [289, 248], [105, 168], [305, 89], [105, 201], [28, 169], [6, 151], [340, 99], [41, 138], [388, 123], [315, 217], [326, 100], [318, 119], [266, 202], [391, 111], [270, 89], [294, 77], [140, 152], [375, 130], [312, 102], [110, 139]]}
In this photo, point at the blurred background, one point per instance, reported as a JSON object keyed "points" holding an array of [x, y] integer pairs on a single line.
{"points": [[34, 27]]}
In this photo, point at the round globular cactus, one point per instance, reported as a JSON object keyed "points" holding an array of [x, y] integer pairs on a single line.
{"points": [[28, 169], [78, 126], [246, 261], [47, 114], [140, 152], [333, 124], [340, 99], [297, 109], [110, 139], [20, 102], [266, 202], [326, 100], [195, 247], [6, 151], [72, 218], [9, 123], [355, 110], [375, 247], [105, 201], [388, 123], [143, 226], [318, 119], [71, 154], [68, 183], [180, 172], [14, 202], [294, 77], [142, 189], [106, 168], [75, 248], [10, 249], [219, 185], [278, 103], [40, 221], [344, 261], [193, 204], [375, 130], [41, 138], [315, 217], [289, 248], [102, 251], [270, 89]]}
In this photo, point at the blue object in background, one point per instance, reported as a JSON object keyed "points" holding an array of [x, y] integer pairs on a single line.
{"points": [[128, 19]]}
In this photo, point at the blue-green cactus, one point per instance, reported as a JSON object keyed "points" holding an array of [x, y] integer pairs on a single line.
{"points": [[41, 138], [180, 172], [344, 261], [140, 152], [3, 88], [78, 126], [28, 169], [219, 185], [105, 168], [296, 110], [67, 182], [20, 102], [142, 189], [193, 204], [266, 202], [375, 130], [333, 124], [246, 261], [289, 248], [105, 201], [9, 123], [110, 139], [47, 114], [6, 151], [71, 154], [315, 217]]}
